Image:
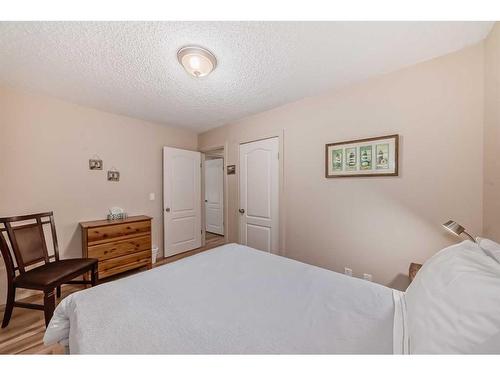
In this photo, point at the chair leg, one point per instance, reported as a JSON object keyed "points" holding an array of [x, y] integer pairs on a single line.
{"points": [[49, 304], [58, 292], [93, 275], [9, 305]]}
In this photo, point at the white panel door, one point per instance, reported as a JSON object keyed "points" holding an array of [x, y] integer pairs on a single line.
{"points": [[181, 200], [214, 196], [259, 194]]}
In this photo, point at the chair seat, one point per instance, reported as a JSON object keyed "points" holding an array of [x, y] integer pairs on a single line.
{"points": [[52, 274]]}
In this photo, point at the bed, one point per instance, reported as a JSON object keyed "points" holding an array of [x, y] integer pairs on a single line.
{"points": [[232, 299], [237, 300]]}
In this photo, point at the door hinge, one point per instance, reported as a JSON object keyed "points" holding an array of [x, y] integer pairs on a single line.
{"points": [[278, 156]]}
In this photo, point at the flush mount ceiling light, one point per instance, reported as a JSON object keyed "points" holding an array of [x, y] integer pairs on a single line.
{"points": [[197, 61]]}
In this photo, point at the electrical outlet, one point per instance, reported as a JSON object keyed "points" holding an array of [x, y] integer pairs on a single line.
{"points": [[347, 271], [367, 277], [151, 196]]}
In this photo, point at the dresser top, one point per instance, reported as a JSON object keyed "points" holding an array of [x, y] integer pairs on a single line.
{"points": [[102, 223]]}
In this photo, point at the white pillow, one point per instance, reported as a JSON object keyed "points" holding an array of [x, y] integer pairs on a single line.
{"points": [[490, 247], [453, 304]]}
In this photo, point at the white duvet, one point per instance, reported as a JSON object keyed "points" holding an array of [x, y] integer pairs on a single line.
{"points": [[232, 299]]}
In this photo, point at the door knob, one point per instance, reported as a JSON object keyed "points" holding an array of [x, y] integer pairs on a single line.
{"points": [[167, 209], [242, 211]]}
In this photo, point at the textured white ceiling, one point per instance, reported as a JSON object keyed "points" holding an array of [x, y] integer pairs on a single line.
{"points": [[131, 68]]}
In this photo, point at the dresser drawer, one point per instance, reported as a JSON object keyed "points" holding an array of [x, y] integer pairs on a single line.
{"points": [[124, 263], [103, 234], [118, 248]]}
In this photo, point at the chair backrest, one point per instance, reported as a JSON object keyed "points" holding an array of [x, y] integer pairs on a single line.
{"points": [[26, 238]]}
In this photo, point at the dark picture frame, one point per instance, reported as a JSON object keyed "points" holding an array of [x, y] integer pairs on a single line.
{"points": [[366, 157], [95, 164], [231, 169], [113, 176]]}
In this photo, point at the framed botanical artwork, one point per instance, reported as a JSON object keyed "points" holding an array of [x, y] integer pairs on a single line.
{"points": [[367, 157]]}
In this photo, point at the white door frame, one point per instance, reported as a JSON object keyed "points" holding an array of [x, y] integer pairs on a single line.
{"points": [[203, 151], [281, 191]]}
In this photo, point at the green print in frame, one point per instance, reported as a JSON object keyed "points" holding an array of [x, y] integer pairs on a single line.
{"points": [[382, 155], [338, 159], [351, 159], [366, 157]]}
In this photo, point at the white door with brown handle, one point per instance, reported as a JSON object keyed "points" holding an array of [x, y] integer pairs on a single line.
{"points": [[259, 194], [181, 200]]}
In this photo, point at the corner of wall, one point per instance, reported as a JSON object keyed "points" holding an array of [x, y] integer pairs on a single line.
{"points": [[491, 134]]}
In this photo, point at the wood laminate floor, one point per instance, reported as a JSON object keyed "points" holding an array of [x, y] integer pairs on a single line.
{"points": [[24, 334]]}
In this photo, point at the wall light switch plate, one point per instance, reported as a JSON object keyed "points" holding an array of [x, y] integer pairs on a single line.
{"points": [[151, 196], [347, 271], [367, 277]]}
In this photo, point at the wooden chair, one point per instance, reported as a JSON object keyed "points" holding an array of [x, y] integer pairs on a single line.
{"points": [[29, 248]]}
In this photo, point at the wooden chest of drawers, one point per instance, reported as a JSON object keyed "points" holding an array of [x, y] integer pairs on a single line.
{"points": [[120, 245]]}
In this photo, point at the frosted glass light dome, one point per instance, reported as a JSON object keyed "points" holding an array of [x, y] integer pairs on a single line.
{"points": [[197, 61]]}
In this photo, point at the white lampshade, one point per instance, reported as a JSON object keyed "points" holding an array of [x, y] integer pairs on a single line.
{"points": [[197, 61]]}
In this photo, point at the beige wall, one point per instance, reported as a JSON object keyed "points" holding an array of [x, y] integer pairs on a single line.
{"points": [[377, 225], [374, 225], [492, 135], [45, 145]]}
